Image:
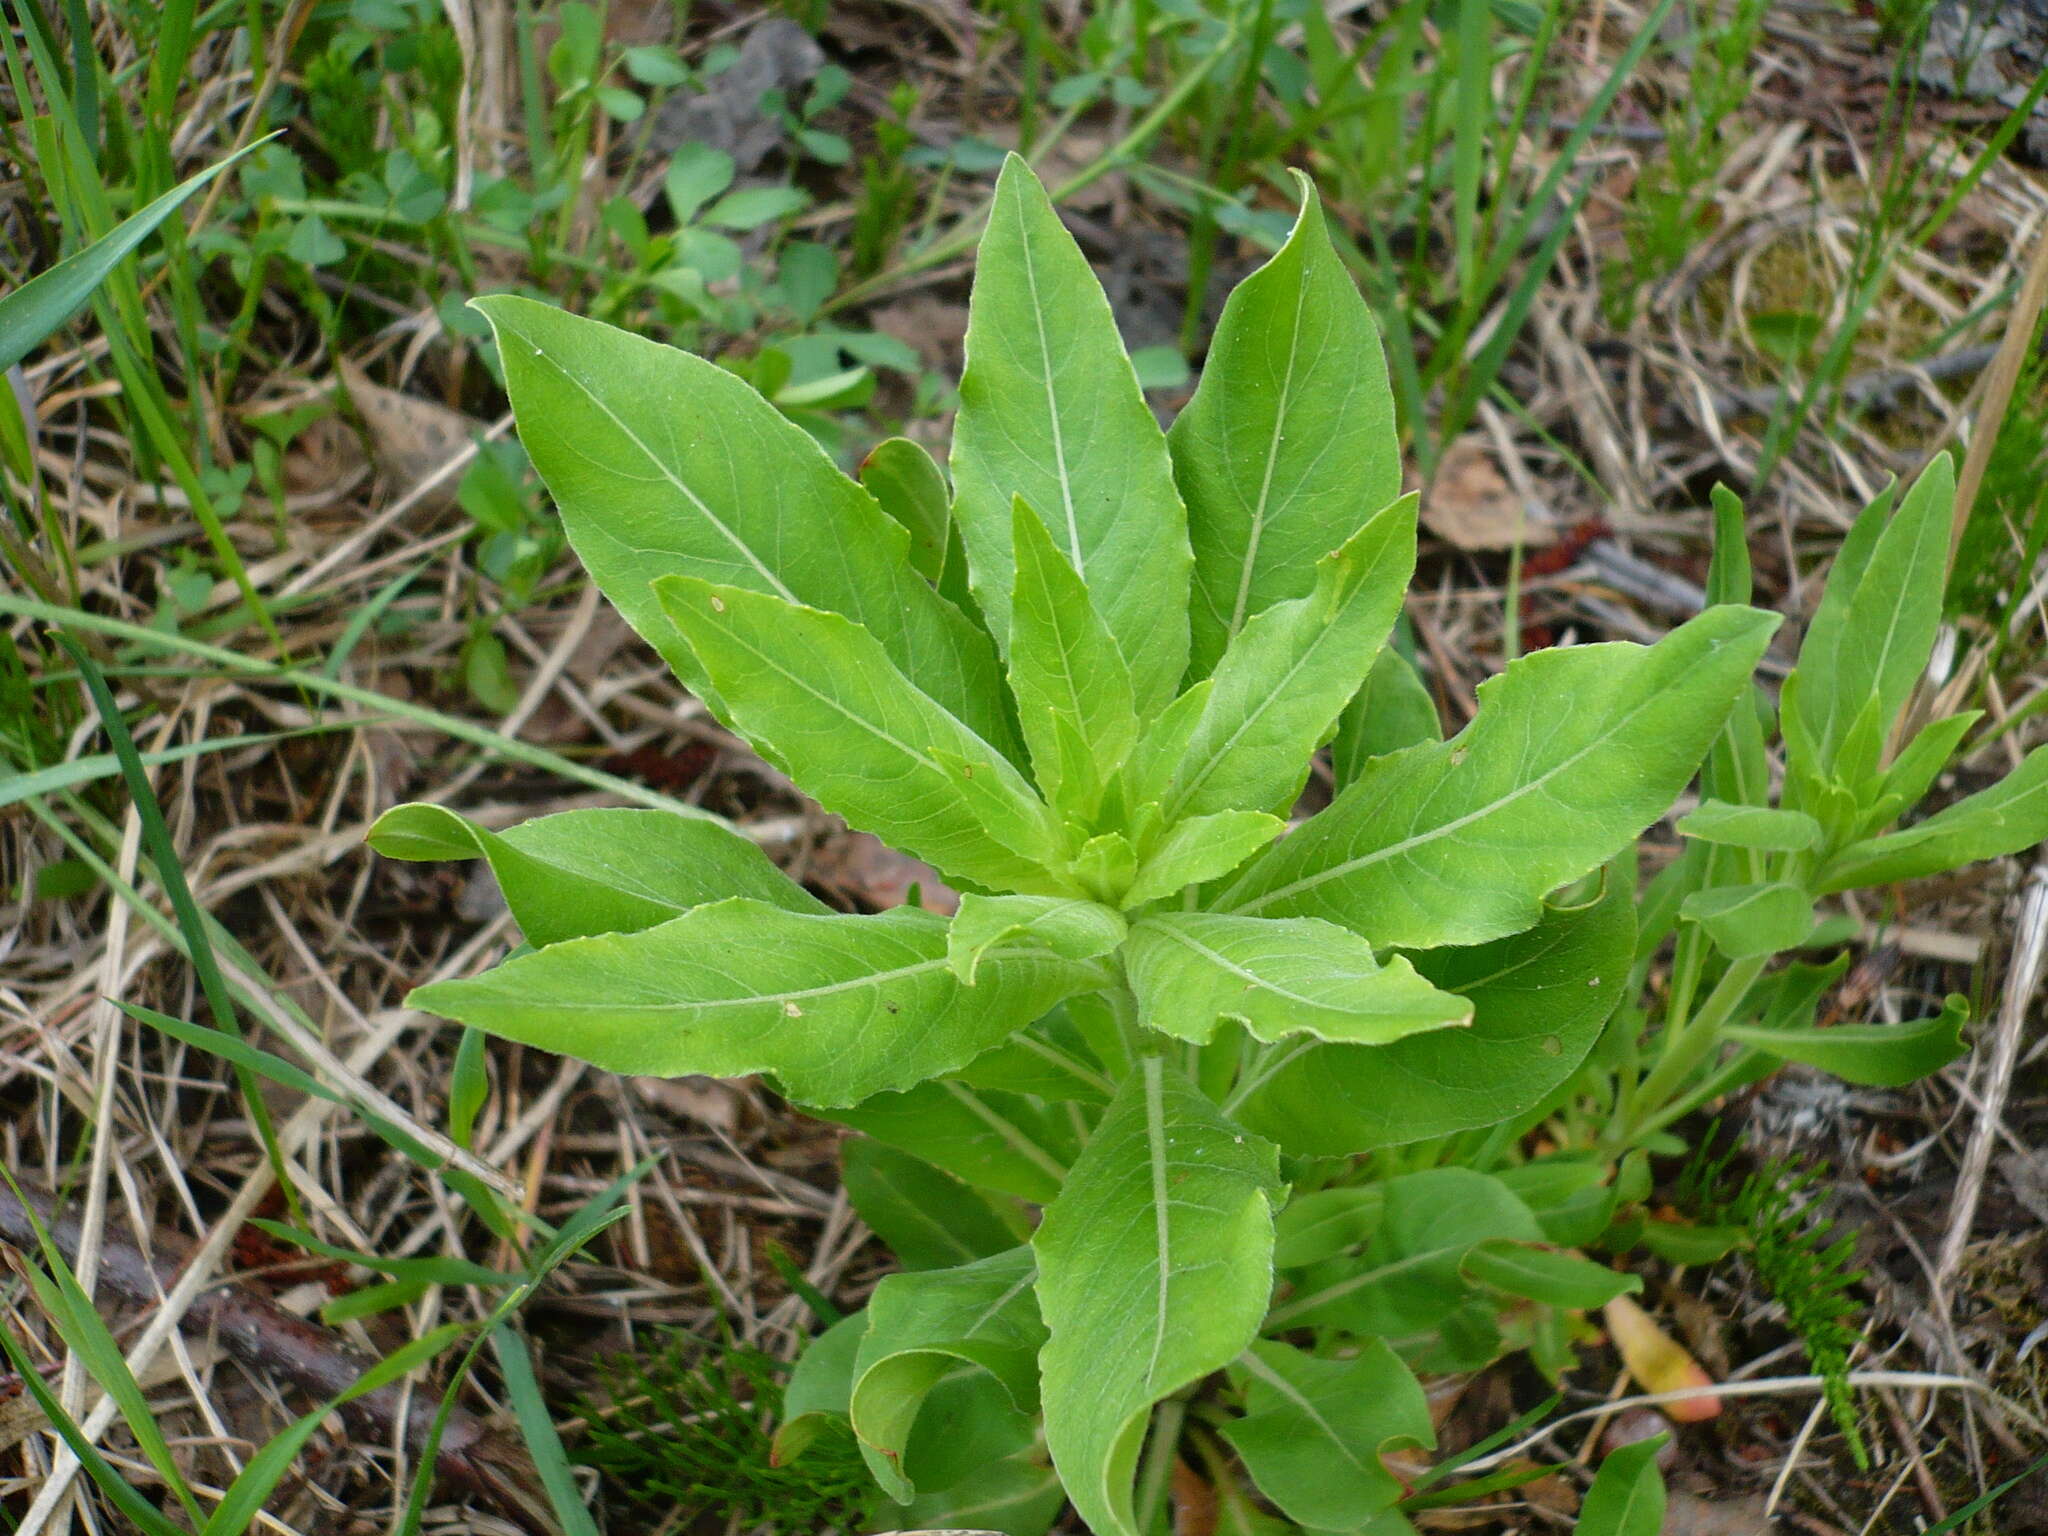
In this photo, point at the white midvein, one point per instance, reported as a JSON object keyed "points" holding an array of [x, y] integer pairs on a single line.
{"points": [[1456, 824], [1052, 411], [1155, 1138], [1251, 554], [1254, 1366], [1232, 968], [1006, 1132], [669, 475]]}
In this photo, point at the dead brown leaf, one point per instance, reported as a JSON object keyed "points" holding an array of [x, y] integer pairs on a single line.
{"points": [[1723, 1515], [1471, 506], [410, 437], [870, 871]]}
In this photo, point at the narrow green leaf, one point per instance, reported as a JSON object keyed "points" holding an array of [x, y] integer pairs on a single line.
{"points": [[1393, 710], [1750, 826], [664, 464], [1458, 843], [1408, 1277], [987, 1137], [929, 1219], [1155, 1265], [122, 1493], [2009, 816], [1728, 573], [1875, 1055], [1201, 848], [1017, 1496], [1539, 1000], [1314, 1430], [1289, 672], [1288, 445], [86, 1336], [36, 308], [579, 873], [820, 1388], [1070, 928], [1050, 1059], [1915, 769], [921, 1327], [1051, 411], [817, 693], [836, 1008], [1627, 1497], [1873, 632], [911, 488], [537, 1428], [250, 1492], [1277, 977], [1746, 921], [1073, 690], [1555, 1278]]}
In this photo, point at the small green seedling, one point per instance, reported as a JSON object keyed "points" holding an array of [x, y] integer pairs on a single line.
{"points": [[1115, 1108]]}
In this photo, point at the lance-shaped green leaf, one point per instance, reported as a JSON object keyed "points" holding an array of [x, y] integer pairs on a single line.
{"points": [[1573, 753], [1051, 411], [1289, 673], [923, 1326], [1072, 687], [2012, 814], [929, 1219], [1155, 1266], [1875, 1055], [1539, 1000], [1750, 826], [1017, 1496], [1875, 626], [1913, 772], [1288, 445], [911, 488], [820, 1388], [1069, 927], [836, 1008], [1627, 1497], [1277, 977], [1050, 1060], [664, 464], [1548, 1275], [1393, 710], [578, 873], [1314, 1430], [1409, 1274], [817, 693], [1746, 921], [1198, 849], [987, 1137]]}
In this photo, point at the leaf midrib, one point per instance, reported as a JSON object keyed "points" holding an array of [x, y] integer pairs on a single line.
{"points": [[1456, 824]]}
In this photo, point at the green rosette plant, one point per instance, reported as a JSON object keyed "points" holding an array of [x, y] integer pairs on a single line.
{"points": [[1114, 1108]]}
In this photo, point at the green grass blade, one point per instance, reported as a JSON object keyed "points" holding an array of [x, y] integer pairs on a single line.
{"points": [[314, 682], [156, 836], [537, 1426], [117, 1488], [92, 1344], [39, 306], [16, 787]]}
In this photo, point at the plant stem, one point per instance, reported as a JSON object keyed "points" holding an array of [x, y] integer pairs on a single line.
{"points": [[1159, 1458], [1688, 1042]]}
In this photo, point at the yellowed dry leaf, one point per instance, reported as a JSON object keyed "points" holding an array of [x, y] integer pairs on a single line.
{"points": [[1658, 1362]]}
